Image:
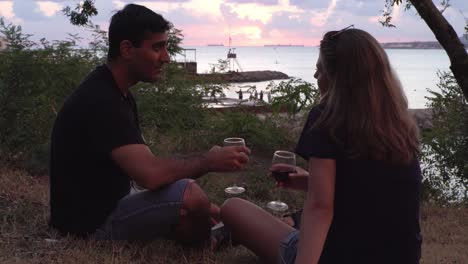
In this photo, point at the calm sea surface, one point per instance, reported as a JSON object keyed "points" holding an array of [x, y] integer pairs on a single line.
{"points": [[417, 69]]}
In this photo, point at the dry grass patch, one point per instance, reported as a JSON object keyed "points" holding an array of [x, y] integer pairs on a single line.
{"points": [[24, 237], [445, 235]]}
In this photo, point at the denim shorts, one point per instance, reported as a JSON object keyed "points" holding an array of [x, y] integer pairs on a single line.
{"points": [[145, 215], [288, 248]]}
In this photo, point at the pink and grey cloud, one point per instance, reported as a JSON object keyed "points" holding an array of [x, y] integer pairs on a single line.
{"points": [[249, 22]]}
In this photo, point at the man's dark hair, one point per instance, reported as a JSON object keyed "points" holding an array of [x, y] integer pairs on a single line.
{"points": [[133, 23]]}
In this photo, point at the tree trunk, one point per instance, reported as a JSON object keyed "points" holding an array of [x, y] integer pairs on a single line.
{"points": [[449, 40]]}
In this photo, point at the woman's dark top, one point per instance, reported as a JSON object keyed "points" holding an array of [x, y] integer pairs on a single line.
{"points": [[376, 206]]}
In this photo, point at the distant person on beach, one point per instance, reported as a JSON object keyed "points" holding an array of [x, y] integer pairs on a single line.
{"points": [[269, 97], [97, 150], [213, 96], [240, 94], [363, 179], [261, 95]]}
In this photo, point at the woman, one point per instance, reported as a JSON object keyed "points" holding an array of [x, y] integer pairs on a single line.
{"points": [[363, 179]]}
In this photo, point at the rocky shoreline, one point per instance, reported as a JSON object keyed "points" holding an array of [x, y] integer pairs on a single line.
{"points": [[245, 76], [420, 44], [423, 117]]}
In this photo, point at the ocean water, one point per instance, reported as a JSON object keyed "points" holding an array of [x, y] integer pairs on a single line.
{"points": [[416, 69]]}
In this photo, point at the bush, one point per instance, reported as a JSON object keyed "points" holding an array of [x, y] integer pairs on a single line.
{"points": [[445, 147], [260, 135], [174, 103], [34, 80], [293, 96]]}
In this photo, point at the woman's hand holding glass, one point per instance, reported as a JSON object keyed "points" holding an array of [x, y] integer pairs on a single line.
{"points": [[297, 179]]}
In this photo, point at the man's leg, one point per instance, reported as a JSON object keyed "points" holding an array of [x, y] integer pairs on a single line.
{"points": [[180, 211], [255, 228]]}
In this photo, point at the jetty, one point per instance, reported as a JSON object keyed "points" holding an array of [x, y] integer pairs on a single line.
{"points": [[244, 76], [234, 73]]}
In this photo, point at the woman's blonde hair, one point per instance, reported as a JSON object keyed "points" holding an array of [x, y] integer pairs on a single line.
{"points": [[364, 101]]}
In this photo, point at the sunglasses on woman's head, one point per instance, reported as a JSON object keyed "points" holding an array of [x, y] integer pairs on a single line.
{"points": [[341, 31]]}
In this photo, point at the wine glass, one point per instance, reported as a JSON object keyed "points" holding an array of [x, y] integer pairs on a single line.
{"points": [[281, 175], [234, 189]]}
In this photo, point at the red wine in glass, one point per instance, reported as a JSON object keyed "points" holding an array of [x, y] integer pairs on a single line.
{"points": [[283, 175]]}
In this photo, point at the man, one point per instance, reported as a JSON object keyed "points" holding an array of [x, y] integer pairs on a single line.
{"points": [[97, 150]]}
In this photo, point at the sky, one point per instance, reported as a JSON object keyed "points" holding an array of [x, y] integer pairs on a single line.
{"points": [[248, 22]]}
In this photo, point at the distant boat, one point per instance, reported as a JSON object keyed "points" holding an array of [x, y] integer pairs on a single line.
{"points": [[215, 45], [282, 45]]}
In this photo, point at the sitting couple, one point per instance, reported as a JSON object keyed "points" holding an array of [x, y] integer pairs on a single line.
{"points": [[361, 144]]}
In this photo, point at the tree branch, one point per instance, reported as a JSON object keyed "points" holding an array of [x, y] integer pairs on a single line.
{"points": [[445, 4], [82, 13], [448, 38]]}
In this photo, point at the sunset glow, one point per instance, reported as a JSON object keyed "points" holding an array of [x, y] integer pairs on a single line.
{"points": [[247, 22], [6, 9], [49, 8]]}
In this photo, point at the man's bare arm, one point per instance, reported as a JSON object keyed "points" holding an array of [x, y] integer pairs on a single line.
{"points": [[152, 172]]}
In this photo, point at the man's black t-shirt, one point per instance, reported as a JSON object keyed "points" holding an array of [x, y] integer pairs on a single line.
{"points": [[85, 183], [376, 206]]}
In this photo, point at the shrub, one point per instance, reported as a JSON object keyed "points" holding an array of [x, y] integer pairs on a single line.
{"points": [[34, 80], [445, 147], [293, 96]]}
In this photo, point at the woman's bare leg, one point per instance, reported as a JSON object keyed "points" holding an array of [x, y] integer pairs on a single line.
{"points": [[255, 228]]}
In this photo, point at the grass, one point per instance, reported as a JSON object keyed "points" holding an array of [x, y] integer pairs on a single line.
{"points": [[24, 237]]}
